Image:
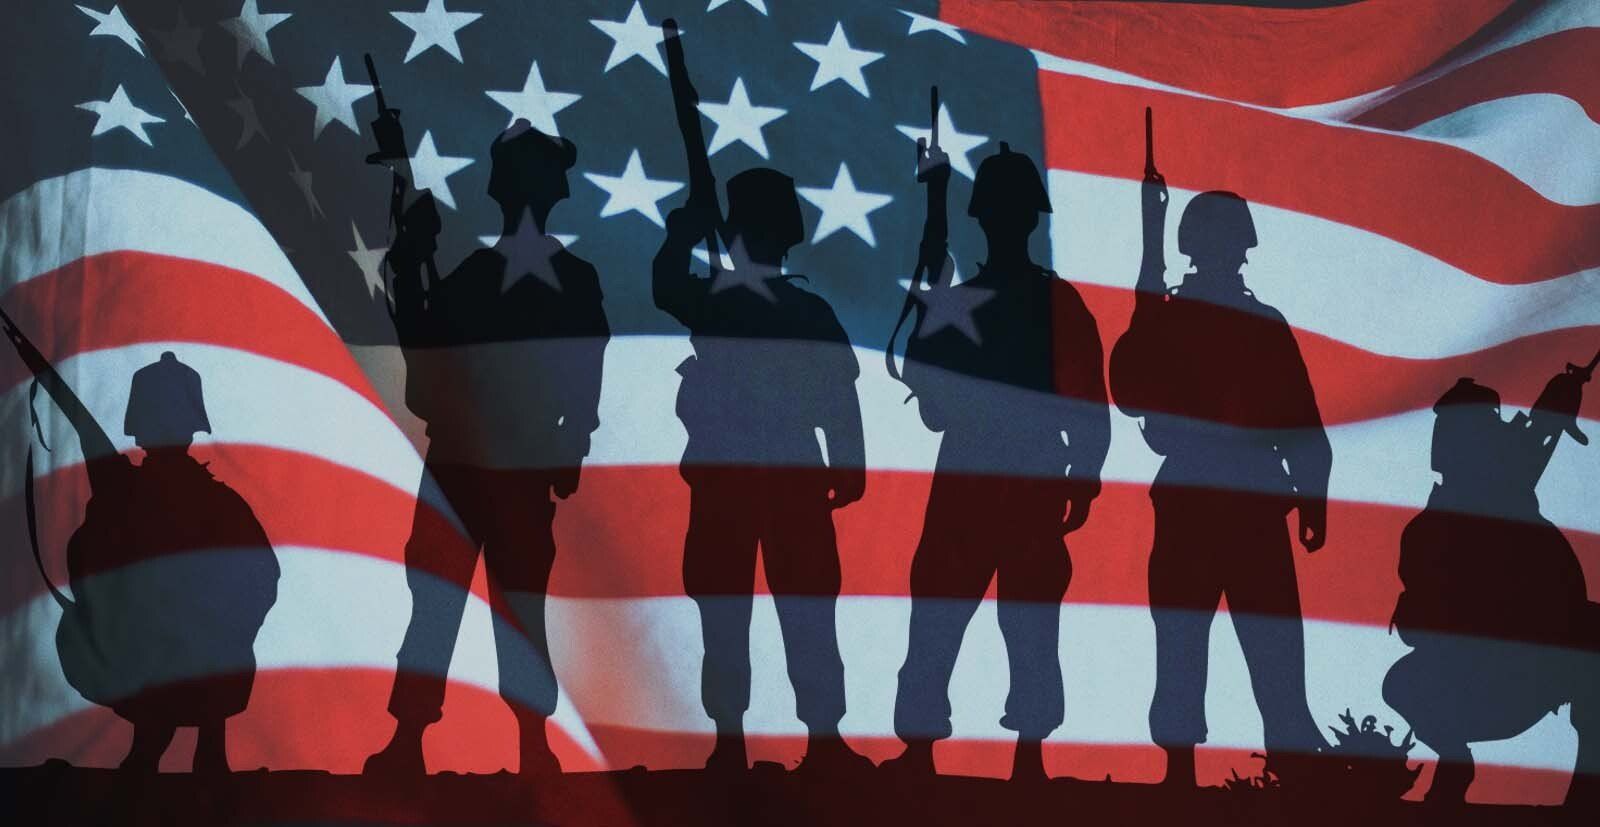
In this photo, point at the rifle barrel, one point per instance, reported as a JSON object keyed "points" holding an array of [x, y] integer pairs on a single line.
{"points": [[1149, 142], [933, 115], [377, 88]]}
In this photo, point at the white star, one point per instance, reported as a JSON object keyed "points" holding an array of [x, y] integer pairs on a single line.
{"points": [[758, 5], [740, 271], [370, 262], [181, 44], [429, 170], [737, 120], [955, 144], [113, 24], [536, 103], [923, 23], [335, 99], [837, 60], [952, 306], [631, 38], [251, 122], [844, 207], [250, 29], [302, 179], [119, 111], [633, 190], [529, 252], [435, 26]]}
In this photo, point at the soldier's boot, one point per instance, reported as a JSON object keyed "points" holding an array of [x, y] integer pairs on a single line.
{"points": [[828, 754], [402, 756], [533, 741], [211, 749], [1451, 777], [728, 756], [150, 742], [1180, 767], [916, 761], [1027, 763]]}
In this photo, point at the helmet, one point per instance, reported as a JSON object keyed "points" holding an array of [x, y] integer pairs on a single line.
{"points": [[1007, 179], [1466, 430], [523, 159], [1213, 220], [165, 404], [764, 200]]}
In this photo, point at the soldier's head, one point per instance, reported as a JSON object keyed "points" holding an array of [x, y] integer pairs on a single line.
{"points": [[1007, 196], [1216, 232], [1467, 431], [165, 405], [763, 215], [528, 171]]}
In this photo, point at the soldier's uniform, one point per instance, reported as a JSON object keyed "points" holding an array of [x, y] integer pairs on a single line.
{"points": [[506, 369], [1226, 400], [1004, 473], [766, 374]]}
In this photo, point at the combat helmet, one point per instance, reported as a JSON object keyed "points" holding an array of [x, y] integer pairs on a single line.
{"points": [[165, 404], [764, 198], [1007, 182], [523, 160], [1468, 419], [1216, 220]]}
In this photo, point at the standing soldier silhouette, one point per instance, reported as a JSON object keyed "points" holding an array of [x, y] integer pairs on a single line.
{"points": [[1217, 377], [1495, 605], [171, 573], [503, 361], [1008, 366], [771, 367]]}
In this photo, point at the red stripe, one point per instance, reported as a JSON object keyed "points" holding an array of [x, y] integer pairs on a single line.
{"points": [[122, 298], [1558, 64], [1437, 199], [622, 535], [1272, 57], [333, 718]]}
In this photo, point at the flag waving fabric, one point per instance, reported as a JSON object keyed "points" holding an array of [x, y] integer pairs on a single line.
{"points": [[547, 383]]}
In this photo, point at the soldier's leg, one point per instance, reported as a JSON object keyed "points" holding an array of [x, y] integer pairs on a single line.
{"points": [[519, 551], [801, 554], [1584, 793], [150, 742], [439, 564], [211, 748], [719, 565], [949, 574], [1032, 580], [1184, 590], [1264, 604]]}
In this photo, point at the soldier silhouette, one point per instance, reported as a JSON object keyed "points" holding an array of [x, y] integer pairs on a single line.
{"points": [[1495, 605], [1005, 365], [503, 362], [1217, 377], [771, 368], [171, 573]]}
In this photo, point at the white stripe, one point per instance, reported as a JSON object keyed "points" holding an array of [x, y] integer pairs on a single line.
{"points": [[255, 400], [636, 663], [92, 211], [1345, 283]]}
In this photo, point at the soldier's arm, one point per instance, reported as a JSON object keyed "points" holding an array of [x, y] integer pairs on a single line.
{"points": [[1303, 442], [1078, 360], [583, 409], [841, 414], [675, 288]]}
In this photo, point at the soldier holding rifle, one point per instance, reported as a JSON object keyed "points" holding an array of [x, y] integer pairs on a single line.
{"points": [[772, 366], [503, 361]]}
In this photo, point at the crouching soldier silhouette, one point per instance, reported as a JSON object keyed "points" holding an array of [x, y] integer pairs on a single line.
{"points": [[171, 573], [1225, 398], [771, 367], [1008, 366], [503, 362], [1495, 605]]}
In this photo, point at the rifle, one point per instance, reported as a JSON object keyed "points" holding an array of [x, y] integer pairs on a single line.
{"points": [[1154, 264], [1554, 413], [933, 170], [686, 104], [391, 140]]}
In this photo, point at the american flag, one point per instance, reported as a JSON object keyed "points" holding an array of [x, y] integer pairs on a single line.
{"points": [[189, 177]]}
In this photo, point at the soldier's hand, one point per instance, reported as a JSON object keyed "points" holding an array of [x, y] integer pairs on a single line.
{"points": [[1313, 525], [1079, 497], [1153, 194], [848, 486], [687, 224], [933, 164], [566, 482]]}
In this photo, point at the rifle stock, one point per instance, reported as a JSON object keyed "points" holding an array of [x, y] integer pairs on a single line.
{"points": [[686, 105]]}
